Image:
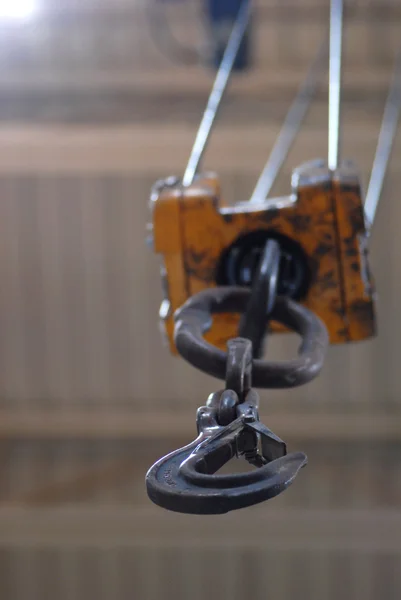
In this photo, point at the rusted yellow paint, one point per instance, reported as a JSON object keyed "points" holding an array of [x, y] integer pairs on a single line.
{"points": [[192, 228]]}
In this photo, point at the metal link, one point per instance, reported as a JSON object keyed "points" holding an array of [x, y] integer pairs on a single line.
{"points": [[263, 298], [195, 318]]}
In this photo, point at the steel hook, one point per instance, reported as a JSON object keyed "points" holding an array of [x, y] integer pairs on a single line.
{"points": [[185, 480]]}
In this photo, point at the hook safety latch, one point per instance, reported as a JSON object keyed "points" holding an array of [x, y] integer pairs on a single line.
{"points": [[187, 480]]}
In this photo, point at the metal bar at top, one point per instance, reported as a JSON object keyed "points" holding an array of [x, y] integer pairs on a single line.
{"points": [[291, 126], [217, 93], [336, 34], [385, 143]]}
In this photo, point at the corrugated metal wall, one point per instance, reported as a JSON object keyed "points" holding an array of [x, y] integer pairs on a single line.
{"points": [[125, 574]]}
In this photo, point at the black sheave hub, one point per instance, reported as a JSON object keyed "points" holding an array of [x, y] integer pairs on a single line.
{"points": [[239, 263]]}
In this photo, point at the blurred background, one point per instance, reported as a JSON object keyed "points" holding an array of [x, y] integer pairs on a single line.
{"points": [[98, 99]]}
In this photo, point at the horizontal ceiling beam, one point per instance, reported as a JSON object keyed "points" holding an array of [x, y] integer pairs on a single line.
{"points": [[98, 424], [362, 531]]}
